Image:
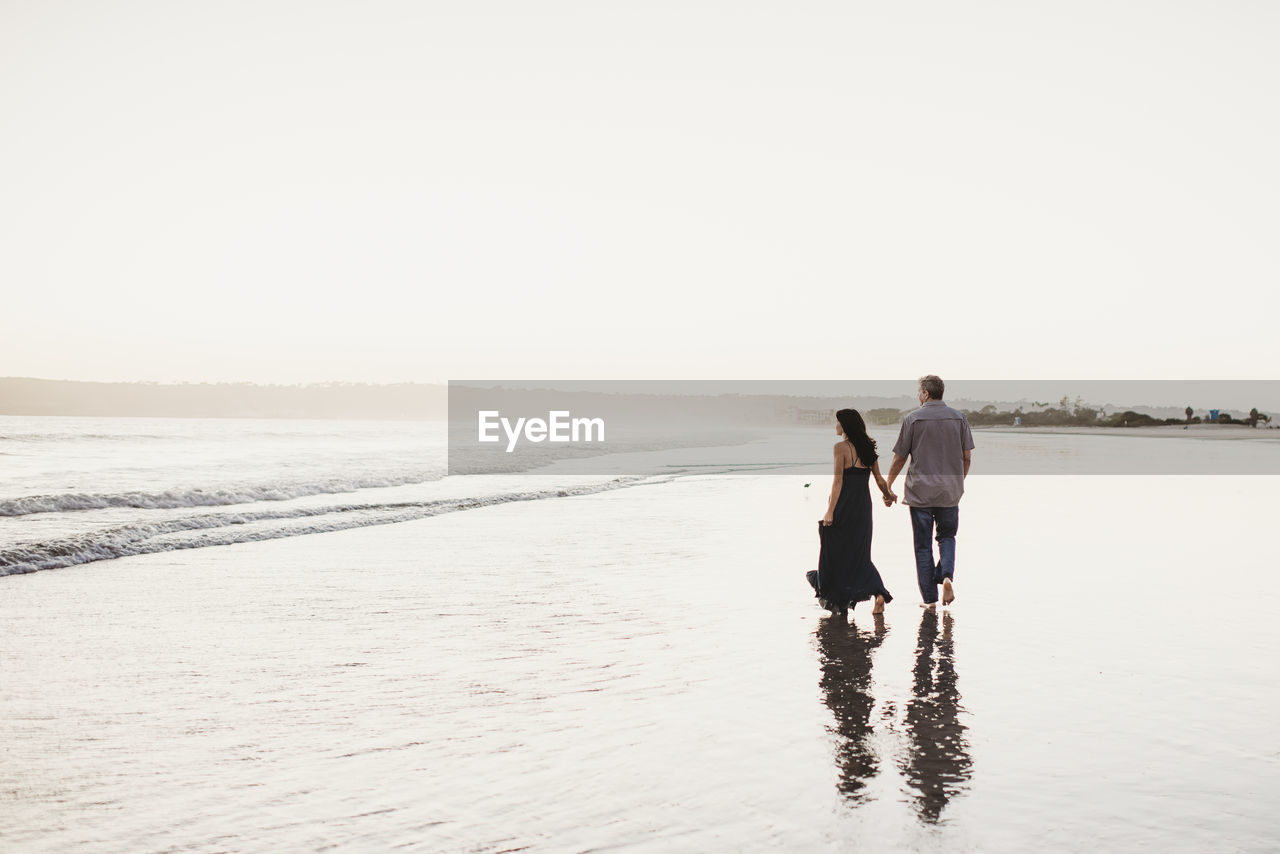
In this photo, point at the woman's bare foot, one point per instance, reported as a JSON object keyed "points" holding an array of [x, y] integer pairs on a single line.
{"points": [[948, 594], [879, 606]]}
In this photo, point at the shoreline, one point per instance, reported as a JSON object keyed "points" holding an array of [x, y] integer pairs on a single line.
{"points": [[1174, 431]]}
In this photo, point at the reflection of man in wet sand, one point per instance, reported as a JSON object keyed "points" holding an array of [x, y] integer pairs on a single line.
{"points": [[938, 764], [846, 684]]}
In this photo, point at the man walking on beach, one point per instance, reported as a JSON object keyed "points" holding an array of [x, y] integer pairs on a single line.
{"points": [[938, 441]]}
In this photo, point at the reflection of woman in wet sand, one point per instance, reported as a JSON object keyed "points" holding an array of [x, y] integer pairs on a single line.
{"points": [[938, 765], [846, 683]]}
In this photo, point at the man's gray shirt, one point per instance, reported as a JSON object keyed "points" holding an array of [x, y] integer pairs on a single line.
{"points": [[935, 436]]}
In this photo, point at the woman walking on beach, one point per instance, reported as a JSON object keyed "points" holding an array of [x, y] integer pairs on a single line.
{"points": [[845, 574]]}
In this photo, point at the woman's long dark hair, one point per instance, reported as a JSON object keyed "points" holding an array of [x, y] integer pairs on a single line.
{"points": [[855, 430]]}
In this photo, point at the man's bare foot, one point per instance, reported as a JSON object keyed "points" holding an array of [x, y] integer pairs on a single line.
{"points": [[948, 594], [879, 606], [929, 606]]}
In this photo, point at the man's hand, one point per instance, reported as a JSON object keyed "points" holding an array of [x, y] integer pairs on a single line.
{"points": [[889, 498]]}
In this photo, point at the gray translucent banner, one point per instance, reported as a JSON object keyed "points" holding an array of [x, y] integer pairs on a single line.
{"points": [[648, 427]]}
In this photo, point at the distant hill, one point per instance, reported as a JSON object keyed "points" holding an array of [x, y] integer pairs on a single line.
{"points": [[28, 396]]}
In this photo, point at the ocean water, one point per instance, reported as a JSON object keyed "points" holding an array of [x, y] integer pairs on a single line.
{"points": [[78, 490], [636, 666]]}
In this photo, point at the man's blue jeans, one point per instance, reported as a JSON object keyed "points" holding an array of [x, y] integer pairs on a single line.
{"points": [[928, 573]]}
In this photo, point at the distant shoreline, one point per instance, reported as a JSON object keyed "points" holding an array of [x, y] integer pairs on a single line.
{"points": [[27, 396], [1166, 431]]}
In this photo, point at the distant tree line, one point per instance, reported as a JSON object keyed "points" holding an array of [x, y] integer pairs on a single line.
{"points": [[1069, 413]]}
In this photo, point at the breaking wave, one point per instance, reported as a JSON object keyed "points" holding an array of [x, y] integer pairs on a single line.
{"points": [[214, 529], [199, 497]]}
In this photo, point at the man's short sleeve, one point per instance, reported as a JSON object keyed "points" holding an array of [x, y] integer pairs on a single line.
{"points": [[903, 446], [966, 435]]}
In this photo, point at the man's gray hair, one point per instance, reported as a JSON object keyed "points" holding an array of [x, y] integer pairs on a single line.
{"points": [[933, 386]]}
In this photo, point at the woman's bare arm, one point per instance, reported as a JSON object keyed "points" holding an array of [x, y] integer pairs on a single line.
{"points": [[837, 482], [885, 491]]}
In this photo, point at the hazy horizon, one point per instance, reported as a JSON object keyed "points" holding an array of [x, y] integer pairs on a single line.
{"points": [[341, 398]]}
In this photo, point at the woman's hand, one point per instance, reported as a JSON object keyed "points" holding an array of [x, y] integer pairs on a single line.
{"points": [[889, 498], [828, 519]]}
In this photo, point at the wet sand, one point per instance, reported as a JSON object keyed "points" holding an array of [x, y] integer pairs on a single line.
{"points": [[646, 670]]}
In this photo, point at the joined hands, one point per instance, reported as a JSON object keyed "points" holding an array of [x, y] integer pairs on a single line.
{"points": [[888, 495]]}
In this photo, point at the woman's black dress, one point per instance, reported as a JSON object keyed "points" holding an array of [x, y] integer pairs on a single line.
{"points": [[845, 573]]}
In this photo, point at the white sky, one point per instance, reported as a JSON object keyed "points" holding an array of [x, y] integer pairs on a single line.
{"points": [[295, 192]]}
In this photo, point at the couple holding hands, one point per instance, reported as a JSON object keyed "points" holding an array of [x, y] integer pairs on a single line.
{"points": [[938, 442]]}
